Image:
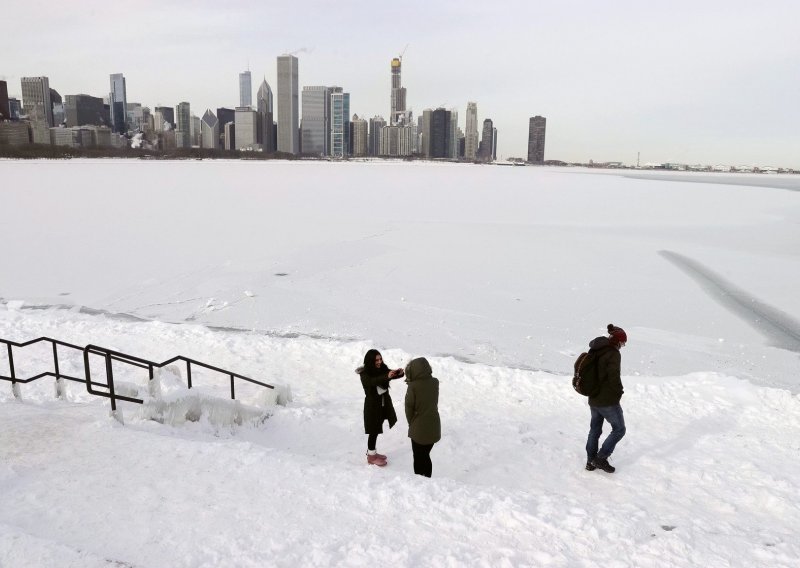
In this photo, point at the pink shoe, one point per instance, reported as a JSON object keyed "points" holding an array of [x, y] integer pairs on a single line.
{"points": [[383, 457], [375, 459]]}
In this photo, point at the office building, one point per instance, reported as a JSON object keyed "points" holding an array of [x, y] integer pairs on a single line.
{"points": [[438, 133], [288, 105], [360, 133], [118, 101], [83, 110], [246, 121], [16, 133], [245, 90], [209, 131], [58, 108], [536, 131], [340, 118], [494, 143], [229, 136], [486, 149], [135, 118], [167, 114], [5, 113], [376, 123], [452, 135], [14, 108], [264, 105], [316, 126], [471, 134], [36, 93], [183, 125]]}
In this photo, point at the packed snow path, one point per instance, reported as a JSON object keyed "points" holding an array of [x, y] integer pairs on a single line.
{"points": [[707, 475]]}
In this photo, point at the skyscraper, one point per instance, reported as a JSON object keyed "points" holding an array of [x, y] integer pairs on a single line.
{"points": [[471, 135], [183, 126], [340, 117], [5, 112], [84, 110], [209, 131], [360, 136], [536, 131], [264, 101], [246, 121], [397, 114], [167, 114], [440, 134], [452, 135], [118, 101], [316, 123], [376, 123], [288, 104], [245, 90], [487, 148], [36, 93]]}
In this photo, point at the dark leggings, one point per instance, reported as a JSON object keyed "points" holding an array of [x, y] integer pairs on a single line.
{"points": [[372, 440], [422, 458]]}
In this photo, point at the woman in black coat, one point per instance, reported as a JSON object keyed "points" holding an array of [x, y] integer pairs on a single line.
{"points": [[375, 377]]}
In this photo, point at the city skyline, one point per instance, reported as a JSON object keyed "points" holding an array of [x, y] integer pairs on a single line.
{"points": [[676, 84]]}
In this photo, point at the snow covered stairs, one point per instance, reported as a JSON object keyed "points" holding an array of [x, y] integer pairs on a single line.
{"points": [[166, 398]]}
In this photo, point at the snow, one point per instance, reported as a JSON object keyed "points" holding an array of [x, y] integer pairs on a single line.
{"points": [[288, 272]]}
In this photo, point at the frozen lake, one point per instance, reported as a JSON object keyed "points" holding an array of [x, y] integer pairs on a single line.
{"points": [[505, 266]]}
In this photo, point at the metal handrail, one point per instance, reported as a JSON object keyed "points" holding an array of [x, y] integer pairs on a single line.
{"points": [[111, 355]]}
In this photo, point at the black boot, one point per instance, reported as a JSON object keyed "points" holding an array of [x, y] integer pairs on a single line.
{"points": [[602, 463], [589, 466]]}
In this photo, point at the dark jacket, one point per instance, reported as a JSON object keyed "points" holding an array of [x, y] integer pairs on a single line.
{"points": [[422, 403], [608, 373], [377, 407]]}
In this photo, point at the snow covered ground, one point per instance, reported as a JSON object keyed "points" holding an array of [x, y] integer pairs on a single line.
{"points": [[289, 272]]}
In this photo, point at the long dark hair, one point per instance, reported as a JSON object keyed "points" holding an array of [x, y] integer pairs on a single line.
{"points": [[369, 363]]}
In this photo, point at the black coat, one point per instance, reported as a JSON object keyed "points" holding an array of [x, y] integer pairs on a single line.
{"points": [[377, 407], [608, 373]]}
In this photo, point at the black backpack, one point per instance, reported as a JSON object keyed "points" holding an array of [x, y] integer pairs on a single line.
{"points": [[586, 379]]}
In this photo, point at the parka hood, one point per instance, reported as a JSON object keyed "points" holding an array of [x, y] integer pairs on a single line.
{"points": [[599, 343], [418, 369]]}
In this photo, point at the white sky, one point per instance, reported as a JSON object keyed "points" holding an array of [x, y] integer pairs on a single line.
{"points": [[697, 82]]}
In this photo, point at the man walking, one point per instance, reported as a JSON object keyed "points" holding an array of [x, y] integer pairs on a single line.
{"points": [[605, 404]]}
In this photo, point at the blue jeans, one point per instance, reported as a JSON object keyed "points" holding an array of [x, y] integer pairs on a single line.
{"points": [[614, 416]]}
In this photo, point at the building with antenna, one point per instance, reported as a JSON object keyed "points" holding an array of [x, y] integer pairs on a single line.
{"points": [[245, 89], [397, 115]]}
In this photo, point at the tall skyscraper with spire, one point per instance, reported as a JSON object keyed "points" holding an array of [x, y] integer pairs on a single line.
{"points": [[264, 105], [288, 105], [397, 115], [118, 103], [245, 89], [471, 135]]}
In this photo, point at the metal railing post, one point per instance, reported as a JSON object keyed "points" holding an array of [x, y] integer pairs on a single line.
{"points": [[55, 360], [110, 378], [11, 364], [189, 373], [233, 395]]}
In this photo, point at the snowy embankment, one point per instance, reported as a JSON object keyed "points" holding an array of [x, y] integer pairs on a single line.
{"points": [[707, 475]]}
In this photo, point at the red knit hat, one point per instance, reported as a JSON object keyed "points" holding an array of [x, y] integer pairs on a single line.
{"points": [[617, 335]]}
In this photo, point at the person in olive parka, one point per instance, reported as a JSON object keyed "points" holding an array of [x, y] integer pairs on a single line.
{"points": [[605, 404], [375, 377], [422, 413]]}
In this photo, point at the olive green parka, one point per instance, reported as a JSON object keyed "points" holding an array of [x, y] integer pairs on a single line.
{"points": [[422, 403]]}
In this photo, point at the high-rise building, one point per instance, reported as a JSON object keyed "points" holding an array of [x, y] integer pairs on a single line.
{"points": [[82, 110], [340, 117], [494, 143], [245, 90], [166, 114], [397, 114], [135, 116], [118, 101], [5, 113], [471, 135], [196, 133], [14, 108], [360, 135], [452, 135], [246, 120], [536, 131], [224, 116], [230, 136], [316, 123], [288, 105], [376, 123], [440, 134], [209, 129], [36, 93], [264, 105], [183, 125], [17, 133], [487, 148], [58, 108]]}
